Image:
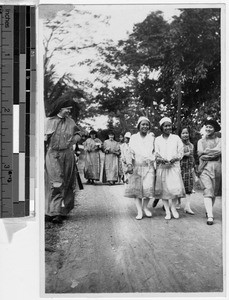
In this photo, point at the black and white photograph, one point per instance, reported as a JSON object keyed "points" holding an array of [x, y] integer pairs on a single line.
{"points": [[133, 149], [113, 124]]}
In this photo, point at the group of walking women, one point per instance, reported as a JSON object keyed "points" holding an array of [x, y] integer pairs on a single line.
{"points": [[161, 167], [164, 168], [110, 166]]}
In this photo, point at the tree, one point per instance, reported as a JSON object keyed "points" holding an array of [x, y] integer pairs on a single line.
{"points": [[121, 69], [114, 102], [65, 38], [161, 58], [193, 59]]}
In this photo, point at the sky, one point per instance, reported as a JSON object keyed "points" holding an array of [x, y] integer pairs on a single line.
{"points": [[122, 19]]}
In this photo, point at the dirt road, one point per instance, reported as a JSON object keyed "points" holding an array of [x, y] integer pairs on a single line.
{"points": [[102, 248]]}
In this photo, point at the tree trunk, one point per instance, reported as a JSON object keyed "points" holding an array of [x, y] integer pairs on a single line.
{"points": [[179, 106]]}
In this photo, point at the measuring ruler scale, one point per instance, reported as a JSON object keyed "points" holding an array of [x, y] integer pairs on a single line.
{"points": [[17, 117]]}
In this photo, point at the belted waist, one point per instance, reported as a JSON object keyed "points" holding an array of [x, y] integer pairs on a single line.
{"points": [[144, 164]]}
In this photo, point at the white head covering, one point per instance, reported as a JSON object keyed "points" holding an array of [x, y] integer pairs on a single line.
{"points": [[165, 119], [127, 134], [142, 119]]}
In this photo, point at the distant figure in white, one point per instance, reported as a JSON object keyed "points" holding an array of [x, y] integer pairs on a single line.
{"points": [[124, 152]]}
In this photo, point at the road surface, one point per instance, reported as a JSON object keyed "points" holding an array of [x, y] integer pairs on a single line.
{"points": [[102, 248]]}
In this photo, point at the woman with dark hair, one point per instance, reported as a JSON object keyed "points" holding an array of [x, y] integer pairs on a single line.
{"points": [[92, 146], [169, 151], [209, 152], [187, 165], [61, 133], [111, 149], [140, 166]]}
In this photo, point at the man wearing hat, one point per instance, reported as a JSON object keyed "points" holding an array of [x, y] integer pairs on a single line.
{"points": [[61, 133], [209, 152]]}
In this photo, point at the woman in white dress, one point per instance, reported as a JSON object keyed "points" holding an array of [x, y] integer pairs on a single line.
{"points": [[92, 147], [112, 152], [124, 152], [140, 165], [169, 151]]}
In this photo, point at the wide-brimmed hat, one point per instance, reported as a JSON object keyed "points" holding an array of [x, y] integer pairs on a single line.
{"points": [[60, 103], [92, 132], [165, 119], [213, 123], [142, 118], [127, 135]]}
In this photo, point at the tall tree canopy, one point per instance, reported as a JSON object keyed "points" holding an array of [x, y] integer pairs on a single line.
{"points": [[159, 56], [145, 74]]}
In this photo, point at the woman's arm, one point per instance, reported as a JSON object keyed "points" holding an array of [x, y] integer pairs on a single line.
{"points": [[200, 149], [187, 151], [208, 152], [180, 151]]}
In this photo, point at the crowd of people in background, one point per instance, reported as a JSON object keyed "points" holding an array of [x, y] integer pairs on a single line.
{"points": [[162, 167]]}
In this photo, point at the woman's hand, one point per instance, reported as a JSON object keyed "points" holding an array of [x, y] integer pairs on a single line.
{"points": [[173, 160], [116, 153], [161, 160], [187, 153], [107, 150]]}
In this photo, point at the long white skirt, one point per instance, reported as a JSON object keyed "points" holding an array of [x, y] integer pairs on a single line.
{"points": [[169, 184], [141, 182]]}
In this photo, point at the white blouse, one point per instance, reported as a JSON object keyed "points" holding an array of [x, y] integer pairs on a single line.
{"points": [[168, 148], [142, 148]]}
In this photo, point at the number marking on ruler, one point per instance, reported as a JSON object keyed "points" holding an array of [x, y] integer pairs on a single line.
{"points": [[6, 109], [16, 32]]}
